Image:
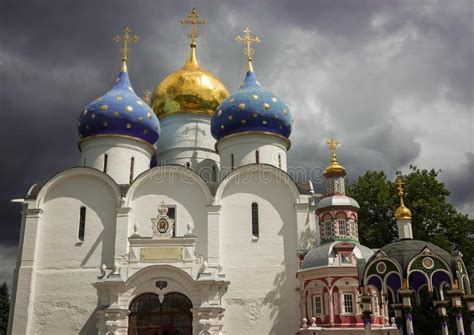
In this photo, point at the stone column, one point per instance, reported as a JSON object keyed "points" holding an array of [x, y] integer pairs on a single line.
{"points": [[366, 301], [441, 307], [406, 294], [456, 295], [398, 317]]}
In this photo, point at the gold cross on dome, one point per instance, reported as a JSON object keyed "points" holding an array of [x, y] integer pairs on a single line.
{"points": [[400, 184], [126, 38], [193, 20], [147, 96], [248, 40], [332, 144]]}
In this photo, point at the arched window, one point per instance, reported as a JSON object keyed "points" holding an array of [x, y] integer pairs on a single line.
{"points": [[106, 157], [279, 161], [82, 224], [132, 167], [257, 157], [327, 229], [255, 219], [232, 161], [188, 165], [149, 316]]}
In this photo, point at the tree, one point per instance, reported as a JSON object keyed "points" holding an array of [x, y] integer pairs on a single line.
{"points": [[434, 219], [4, 308]]}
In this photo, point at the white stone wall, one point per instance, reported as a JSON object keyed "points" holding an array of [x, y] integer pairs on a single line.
{"points": [[243, 148], [262, 297], [186, 138], [119, 151]]}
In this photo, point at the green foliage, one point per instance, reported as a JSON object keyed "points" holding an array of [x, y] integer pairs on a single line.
{"points": [[434, 219], [4, 308]]}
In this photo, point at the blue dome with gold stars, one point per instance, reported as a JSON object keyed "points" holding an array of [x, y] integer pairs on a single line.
{"points": [[120, 112], [251, 109]]}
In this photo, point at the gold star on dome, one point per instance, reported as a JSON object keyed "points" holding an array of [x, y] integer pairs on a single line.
{"points": [[248, 40], [241, 106], [128, 109], [266, 106]]}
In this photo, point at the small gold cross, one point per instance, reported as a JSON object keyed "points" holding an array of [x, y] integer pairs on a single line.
{"points": [[400, 184], [126, 38], [193, 21], [247, 39], [332, 144]]}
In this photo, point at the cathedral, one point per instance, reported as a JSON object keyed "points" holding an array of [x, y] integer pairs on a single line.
{"points": [[181, 219]]}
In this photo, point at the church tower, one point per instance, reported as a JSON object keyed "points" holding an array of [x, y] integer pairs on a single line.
{"points": [[337, 212], [252, 125], [118, 130], [184, 102]]}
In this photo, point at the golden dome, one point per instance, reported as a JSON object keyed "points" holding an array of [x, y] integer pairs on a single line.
{"points": [[334, 166], [191, 89]]}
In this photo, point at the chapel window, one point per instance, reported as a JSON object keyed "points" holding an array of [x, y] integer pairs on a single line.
{"points": [[172, 215], [132, 168], [257, 157], [214, 173], [106, 157], [279, 161], [255, 219], [188, 165], [342, 227], [348, 303], [327, 229], [317, 304], [232, 161], [82, 224], [376, 304]]}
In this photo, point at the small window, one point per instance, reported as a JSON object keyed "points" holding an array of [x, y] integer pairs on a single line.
{"points": [[188, 165], [232, 161], [342, 227], [255, 219], [132, 168], [279, 161], [257, 157], [327, 229], [317, 305], [106, 157], [348, 303], [82, 224], [214, 173], [376, 304]]}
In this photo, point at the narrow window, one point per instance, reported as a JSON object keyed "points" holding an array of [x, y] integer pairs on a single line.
{"points": [[188, 165], [348, 303], [376, 304], [279, 161], [232, 160], [342, 227], [82, 224], [317, 305], [327, 229], [106, 157], [257, 157], [214, 173], [132, 168], [255, 219]]}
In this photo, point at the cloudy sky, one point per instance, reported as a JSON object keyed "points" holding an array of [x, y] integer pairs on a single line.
{"points": [[393, 80]]}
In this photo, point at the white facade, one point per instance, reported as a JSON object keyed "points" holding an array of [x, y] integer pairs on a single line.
{"points": [[238, 281]]}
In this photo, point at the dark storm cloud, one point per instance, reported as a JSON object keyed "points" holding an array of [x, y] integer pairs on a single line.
{"points": [[368, 72]]}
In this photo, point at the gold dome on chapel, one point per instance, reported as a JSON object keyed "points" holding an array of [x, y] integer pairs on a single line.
{"points": [[191, 89]]}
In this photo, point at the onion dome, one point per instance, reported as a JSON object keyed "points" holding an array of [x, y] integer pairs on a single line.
{"points": [[120, 111], [191, 89], [402, 212], [251, 108], [334, 167]]}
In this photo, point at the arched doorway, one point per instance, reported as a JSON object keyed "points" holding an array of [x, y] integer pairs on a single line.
{"points": [[150, 317]]}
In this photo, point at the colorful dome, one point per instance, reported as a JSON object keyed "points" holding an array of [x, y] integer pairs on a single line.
{"points": [[120, 112], [191, 89], [251, 109]]}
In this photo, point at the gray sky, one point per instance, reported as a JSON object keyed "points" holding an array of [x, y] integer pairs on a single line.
{"points": [[393, 80]]}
